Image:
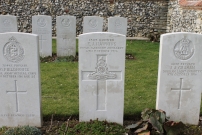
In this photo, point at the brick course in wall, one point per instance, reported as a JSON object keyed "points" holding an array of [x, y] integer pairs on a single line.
{"points": [[194, 4]]}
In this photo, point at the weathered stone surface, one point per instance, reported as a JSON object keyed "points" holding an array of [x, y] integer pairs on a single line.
{"points": [[8, 23], [179, 76], [117, 25], [42, 26], [20, 98], [66, 35], [92, 24], [101, 76]]}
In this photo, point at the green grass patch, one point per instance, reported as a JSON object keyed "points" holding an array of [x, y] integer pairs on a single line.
{"points": [[24, 130], [3, 130], [92, 128], [59, 83], [54, 48], [141, 77]]}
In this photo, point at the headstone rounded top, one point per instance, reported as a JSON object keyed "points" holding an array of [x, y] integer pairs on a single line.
{"points": [[8, 16], [19, 33], [179, 33], [97, 33]]}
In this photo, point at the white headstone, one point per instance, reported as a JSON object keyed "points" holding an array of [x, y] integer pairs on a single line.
{"points": [[66, 35], [179, 76], [92, 24], [117, 25], [20, 98], [101, 76], [8, 23], [42, 26]]}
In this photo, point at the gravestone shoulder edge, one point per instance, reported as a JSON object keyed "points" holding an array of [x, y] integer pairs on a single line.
{"points": [[179, 33], [41, 16], [90, 33], [8, 16], [19, 33]]}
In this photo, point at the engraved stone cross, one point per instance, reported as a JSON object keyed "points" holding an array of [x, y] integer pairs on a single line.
{"points": [[16, 92], [41, 39], [101, 76], [180, 89]]}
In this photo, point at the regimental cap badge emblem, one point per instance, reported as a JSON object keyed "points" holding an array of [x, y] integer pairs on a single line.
{"points": [[184, 49], [101, 72], [65, 22], [93, 23], [41, 22], [13, 51], [6, 22]]}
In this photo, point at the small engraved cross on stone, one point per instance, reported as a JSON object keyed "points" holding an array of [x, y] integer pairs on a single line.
{"points": [[65, 39], [16, 92], [181, 89], [67, 50], [41, 43], [101, 76]]}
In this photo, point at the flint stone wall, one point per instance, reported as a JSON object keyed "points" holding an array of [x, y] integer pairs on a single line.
{"points": [[145, 17], [183, 19]]}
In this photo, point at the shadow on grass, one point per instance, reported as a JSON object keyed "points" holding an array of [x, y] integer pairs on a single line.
{"points": [[58, 117], [134, 117], [55, 58]]}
